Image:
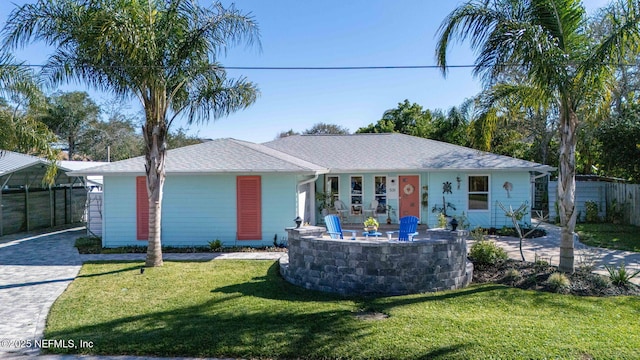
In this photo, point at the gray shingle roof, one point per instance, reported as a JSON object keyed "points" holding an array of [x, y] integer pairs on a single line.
{"points": [[391, 152], [217, 156]]}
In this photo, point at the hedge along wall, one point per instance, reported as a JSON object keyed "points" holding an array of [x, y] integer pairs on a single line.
{"points": [[23, 210]]}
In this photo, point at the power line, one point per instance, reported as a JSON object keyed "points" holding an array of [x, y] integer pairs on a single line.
{"points": [[382, 67]]}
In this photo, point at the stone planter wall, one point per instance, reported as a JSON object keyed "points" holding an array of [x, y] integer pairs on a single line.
{"points": [[377, 267]]}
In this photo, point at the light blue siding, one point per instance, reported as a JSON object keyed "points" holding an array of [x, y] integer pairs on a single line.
{"points": [[119, 214], [493, 217], [198, 209]]}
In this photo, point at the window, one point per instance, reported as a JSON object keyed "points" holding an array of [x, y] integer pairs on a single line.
{"points": [[356, 195], [479, 192], [380, 183], [332, 189]]}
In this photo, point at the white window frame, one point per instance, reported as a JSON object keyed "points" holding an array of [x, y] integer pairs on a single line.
{"points": [[488, 192], [376, 194], [327, 189], [352, 195]]}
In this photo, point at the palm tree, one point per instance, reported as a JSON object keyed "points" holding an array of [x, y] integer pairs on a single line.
{"points": [[161, 51], [20, 129], [546, 38]]}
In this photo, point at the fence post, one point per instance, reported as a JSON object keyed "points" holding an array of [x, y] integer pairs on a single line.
{"points": [[26, 206]]}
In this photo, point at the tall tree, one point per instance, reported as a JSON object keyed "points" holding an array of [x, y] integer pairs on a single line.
{"points": [[547, 39], [407, 118], [20, 129], [619, 144], [161, 51], [451, 128], [112, 140], [180, 137], [284, 134], [69, 115], [326, 129]]}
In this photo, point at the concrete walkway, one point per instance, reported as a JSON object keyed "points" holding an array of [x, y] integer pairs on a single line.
{"points": [[547, 248], [36, 268]]}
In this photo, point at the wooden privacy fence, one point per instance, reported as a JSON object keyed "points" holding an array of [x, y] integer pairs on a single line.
{"points": [[625, 197], [30, 209]]}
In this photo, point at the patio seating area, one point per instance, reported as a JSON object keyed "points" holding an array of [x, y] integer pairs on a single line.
{"points": [[365, 266]]}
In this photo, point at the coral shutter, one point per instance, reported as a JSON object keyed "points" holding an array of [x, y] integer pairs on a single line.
{"points": [[249, 207], [142, 209]]}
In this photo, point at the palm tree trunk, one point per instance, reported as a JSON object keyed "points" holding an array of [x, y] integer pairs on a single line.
{"points": [[155, 166], [567, 184]]}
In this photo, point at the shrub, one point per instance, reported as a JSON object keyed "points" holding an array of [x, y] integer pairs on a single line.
{"points": [[592, 212], [478, 234], [88, 245], [559, 282], [215, 245], [621, 276], [442, 221], [599, 281], [487, 253], [513, 274], [539, 261], [615, 212]]}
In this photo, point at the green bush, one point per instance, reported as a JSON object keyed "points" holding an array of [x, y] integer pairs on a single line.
{"points": [[215, 245], [478, 234], [559, 282], [513, 275], [615, 212], [599, 281], [442, 221], [621, 276], [88, 245], [487, 253], [592, 212]]}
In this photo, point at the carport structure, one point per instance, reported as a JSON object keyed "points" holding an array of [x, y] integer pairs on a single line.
{"points": [[27, 202]]}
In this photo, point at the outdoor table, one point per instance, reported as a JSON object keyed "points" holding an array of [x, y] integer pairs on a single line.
{"points": [[367, 234]]}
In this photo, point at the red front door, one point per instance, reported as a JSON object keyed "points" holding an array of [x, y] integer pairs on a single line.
{"points": [[249, 207], [409, 196]]}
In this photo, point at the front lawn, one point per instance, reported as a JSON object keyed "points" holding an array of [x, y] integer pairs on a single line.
{"points": [[244, 309], [611, 236]]}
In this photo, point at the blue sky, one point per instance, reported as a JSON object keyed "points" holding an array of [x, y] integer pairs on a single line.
{"points": [[331, 33]]}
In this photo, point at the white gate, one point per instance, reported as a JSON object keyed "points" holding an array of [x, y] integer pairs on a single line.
{"points": [[94, 213]]}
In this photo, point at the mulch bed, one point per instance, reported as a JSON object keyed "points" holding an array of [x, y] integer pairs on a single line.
{"points": [[534, 276]]}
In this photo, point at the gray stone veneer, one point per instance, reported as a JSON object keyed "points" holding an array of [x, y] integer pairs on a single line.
{"points": [[376, 267]]}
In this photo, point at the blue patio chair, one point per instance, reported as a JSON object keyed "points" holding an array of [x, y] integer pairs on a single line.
{"points": [[334, 229], [408, 227]]}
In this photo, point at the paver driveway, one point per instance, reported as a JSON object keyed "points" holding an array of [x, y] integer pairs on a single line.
{"points": [[34, 271]]}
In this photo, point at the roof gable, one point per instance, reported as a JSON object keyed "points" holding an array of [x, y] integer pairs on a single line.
{"points": [[393, 151]]}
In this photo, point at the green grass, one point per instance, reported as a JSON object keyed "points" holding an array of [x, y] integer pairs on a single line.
{"points": [[93, 245], [245, 309], [611, 236]]}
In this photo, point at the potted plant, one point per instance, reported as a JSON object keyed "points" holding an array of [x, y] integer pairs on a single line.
{"points": [[371, 225], [325, 201]]}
